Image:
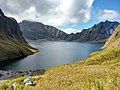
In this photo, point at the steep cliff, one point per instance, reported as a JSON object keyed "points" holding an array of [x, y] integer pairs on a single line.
{"points": [[101, 71], [37, 30], [12, 43], [114, 40], [100, 31]]}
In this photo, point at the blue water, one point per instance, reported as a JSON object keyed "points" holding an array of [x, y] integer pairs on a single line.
{"points": [[53, 53]]}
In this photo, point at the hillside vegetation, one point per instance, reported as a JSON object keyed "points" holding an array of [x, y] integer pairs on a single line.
{"points": [[12, 43], [114, 40], [99, 72]]}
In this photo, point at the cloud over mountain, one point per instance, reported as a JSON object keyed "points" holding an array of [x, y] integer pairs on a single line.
{"points": [[71, 30], [53, 12], [108, 14]]}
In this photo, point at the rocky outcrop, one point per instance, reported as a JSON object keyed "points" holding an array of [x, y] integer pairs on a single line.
{"points": [[36, 30], [100, 31], [114, 40], [12, 43]]}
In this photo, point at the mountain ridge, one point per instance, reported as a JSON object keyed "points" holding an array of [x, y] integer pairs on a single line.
{"points": [[101, 71], [114, 40], [12, 43], [37, 30]]}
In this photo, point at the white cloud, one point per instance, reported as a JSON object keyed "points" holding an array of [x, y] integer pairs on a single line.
{"points": [[52, 12], [71, 30], [108, 15]]}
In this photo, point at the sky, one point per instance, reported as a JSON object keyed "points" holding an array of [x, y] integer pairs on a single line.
{"points": [[70, 16]]}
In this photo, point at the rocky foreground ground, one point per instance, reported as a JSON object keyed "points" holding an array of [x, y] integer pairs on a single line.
{"points": [[8, 74]]}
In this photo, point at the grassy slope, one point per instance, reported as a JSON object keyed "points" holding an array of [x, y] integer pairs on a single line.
{"points": [[14, 49], [78, 76], [99, 72], [114, 40], [12, 43]]}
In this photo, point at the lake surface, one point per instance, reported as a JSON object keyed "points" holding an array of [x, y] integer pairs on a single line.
{"points": [[53, 53]]}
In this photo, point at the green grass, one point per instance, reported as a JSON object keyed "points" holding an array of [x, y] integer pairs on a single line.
{"points": [[114, 40], [99, 72], [10, 49], [104, 57], [33, 50]]}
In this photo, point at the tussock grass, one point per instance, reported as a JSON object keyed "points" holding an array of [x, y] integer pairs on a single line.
{"points": [[72, 77], [10, 49], [34, 50], [99, 72], [107, 56]]}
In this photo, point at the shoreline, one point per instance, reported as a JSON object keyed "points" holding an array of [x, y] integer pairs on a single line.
{"points": [[9, 74]]}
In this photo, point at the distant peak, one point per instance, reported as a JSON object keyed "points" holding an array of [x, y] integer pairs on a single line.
{"points": [[111, 21], [25, 21], [107, 21], [28, 21], [1, 13]]}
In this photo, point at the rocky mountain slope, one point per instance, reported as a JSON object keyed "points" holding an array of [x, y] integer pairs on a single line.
{"points": [[12, 43], [114, 40], [100, 31], [36, 30], [99, 72], [110, 53]]}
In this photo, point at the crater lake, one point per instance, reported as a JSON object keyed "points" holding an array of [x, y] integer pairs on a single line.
{"points": [[53, 53]]}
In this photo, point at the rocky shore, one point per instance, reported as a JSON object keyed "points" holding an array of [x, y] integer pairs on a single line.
{"points": [[8, 74]]}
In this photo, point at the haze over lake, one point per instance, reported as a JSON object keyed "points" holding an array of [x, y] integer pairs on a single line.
{"points": [[53, 53]]}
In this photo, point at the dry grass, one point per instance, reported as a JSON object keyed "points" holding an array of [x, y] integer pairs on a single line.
{"points": [[99, 72], [34, 50], [72, 77]]}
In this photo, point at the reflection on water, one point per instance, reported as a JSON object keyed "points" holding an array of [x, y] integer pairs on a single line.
{"points": [[52, 54]]}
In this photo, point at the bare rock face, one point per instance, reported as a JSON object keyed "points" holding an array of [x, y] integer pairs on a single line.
{"points": [[12, 43], [37, 30], [101, 31], [114, 40]]}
